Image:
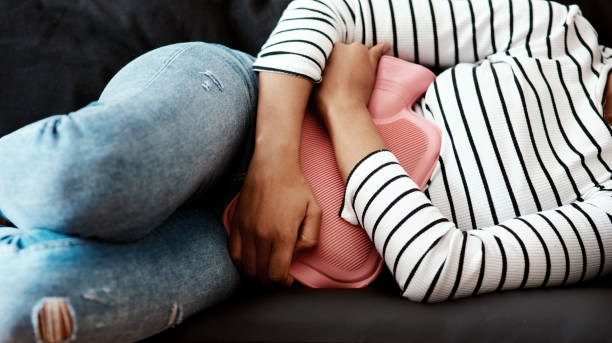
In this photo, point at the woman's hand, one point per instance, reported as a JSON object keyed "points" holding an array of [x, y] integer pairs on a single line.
{"points": [[342, 99], [277, 214], [348, 77]]}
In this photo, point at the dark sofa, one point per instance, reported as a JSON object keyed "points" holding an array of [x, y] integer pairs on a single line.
{"points": [[57, 55]]}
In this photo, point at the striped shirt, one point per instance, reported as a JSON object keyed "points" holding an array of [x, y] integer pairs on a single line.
{"points": [[522, 192]]}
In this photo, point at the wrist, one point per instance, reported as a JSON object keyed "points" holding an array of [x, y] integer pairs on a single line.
{"points": [[345, 116], [353, 136], [277, 148], [278, 137], [342, 108], [280, 112], [274, 164]]}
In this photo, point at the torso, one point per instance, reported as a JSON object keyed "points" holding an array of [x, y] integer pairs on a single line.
{"points": [[509, 151]]}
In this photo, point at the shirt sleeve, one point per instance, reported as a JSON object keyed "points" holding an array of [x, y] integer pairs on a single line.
{"points": [[432, 260], [435, 33]]}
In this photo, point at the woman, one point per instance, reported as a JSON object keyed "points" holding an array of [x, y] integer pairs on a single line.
{"points": [[173, 123], [522, 194]]}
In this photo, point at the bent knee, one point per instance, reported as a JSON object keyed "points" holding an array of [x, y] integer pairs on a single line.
{"points": [[67, 189]]}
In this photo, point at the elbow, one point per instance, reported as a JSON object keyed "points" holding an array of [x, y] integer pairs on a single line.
{"points": [[420, 296], [413, 296]]}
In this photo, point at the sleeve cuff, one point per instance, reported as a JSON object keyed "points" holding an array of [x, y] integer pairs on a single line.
{"points": [[359, 174], [298, 69]]}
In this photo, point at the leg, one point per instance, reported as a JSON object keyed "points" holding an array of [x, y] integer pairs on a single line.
{"points": [[110, 292], [166, 127]]}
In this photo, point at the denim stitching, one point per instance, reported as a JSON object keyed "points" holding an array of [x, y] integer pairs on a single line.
{"points": [[165, 66], [238, 67], [42, 246]]}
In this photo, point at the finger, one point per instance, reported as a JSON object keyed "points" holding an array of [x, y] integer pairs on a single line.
{"points": [[288, 281], [311, 226], [263, 258], [249, 256], [280, 260], [235, 245], [235, 241], [377, 51]]}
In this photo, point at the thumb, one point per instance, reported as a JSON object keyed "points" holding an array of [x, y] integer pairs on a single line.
{"points": [[309, 236], [235, 240], [377, 51]]}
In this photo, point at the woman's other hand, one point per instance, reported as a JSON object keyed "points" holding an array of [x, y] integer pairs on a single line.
{"points": [[348, 77], [342, 99]]}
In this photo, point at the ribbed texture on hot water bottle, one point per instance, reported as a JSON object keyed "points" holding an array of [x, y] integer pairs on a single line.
{"points": [[345, 256], [408, 143], [341, 245]]}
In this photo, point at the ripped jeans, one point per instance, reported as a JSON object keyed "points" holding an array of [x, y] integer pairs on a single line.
{"points": [[117, 206]]}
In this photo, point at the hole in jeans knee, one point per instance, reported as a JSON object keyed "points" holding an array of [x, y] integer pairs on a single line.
{"points": [[54, 320]]}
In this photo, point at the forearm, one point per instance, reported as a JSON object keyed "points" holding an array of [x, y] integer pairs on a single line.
{"points": [[553, 247], [275, 201], [433, 260], [280, 112], [353, 135]]}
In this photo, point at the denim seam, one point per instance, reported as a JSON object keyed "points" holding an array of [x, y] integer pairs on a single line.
{"points": [[63, 243], [236, 66], [176, 55], [169, 60], [239, 68]]}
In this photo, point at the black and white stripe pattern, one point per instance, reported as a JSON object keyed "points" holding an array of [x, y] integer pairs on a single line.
{"points": [[433, 260], [520, 197]]}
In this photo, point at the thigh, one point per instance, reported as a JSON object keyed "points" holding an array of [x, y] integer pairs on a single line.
{"points": [[168, 125], [116, 292]]}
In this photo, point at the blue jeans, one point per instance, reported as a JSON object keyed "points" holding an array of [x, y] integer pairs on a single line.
{"points": [[117, 205]]}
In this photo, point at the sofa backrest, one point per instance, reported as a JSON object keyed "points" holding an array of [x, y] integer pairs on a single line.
{"points": [[57, 55]]}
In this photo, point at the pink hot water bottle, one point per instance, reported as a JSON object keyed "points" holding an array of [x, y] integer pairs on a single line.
{"points": [[345, 257]]}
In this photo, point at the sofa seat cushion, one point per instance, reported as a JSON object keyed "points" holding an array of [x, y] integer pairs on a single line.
{"points": [[378, 314]]}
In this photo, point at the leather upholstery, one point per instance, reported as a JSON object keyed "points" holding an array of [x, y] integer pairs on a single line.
{"points": [[378, 314]]}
